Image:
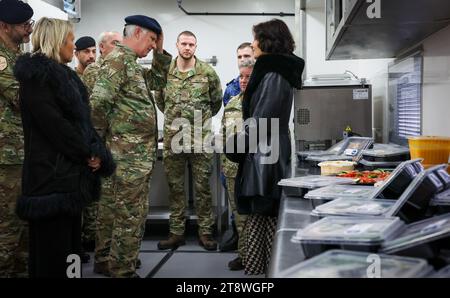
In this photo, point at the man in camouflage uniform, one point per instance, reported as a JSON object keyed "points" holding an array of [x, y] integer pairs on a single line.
{"points": [[192, 87], [15, 29], [107, 43], [86, 52], [124, 111], [232, 122]]}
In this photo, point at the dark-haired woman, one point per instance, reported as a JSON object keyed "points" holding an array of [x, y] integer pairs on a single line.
{"points": [[269, 96]]}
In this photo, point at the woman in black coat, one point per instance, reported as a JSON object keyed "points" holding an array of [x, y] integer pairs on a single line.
{"points": [[64, 156], [269, 96]]}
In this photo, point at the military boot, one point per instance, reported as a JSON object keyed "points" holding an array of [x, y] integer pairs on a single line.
{"points": [[207, 242], [173, 242], [236, 264]]}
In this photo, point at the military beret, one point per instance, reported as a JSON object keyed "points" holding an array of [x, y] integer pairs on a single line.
{"points": [[144, 22], [84, 43], [15, 12]]}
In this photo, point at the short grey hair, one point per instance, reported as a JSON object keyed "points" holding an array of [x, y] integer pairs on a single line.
{"points": [[104, 36], [250, 63], [128, 31]]}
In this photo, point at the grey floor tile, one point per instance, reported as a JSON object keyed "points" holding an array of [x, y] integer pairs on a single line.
{"points": [[199, 265], [149, 245], [149, 261]]}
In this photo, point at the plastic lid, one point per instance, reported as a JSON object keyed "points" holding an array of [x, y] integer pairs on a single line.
{"points": [[349, 264], [339, 191], [408, 194], [441, 199], [354, 207], [386, 150], [412, 166], [314, 181], [444, 176], [380, 164], [349, 230], [443, 273], [322, 158], [415, 234]]}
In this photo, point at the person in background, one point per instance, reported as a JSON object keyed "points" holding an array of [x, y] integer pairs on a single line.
{"points": [[86, 53], [64, 155], [192, 86], [244, 52], [231, 122], [124, 112], [15, 29], [106, 43], [269, 96]]}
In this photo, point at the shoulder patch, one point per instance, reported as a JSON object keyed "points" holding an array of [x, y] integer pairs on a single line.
{"points": [[3, 63]]}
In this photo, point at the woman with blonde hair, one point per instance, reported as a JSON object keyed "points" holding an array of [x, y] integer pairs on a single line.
{"points": [[64, 156]]}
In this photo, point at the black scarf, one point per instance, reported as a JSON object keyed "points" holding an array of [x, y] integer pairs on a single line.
{"points": [[290, 67]]}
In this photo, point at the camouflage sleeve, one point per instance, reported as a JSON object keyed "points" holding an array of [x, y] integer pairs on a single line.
{"points": [[156, 77], [215, 92], [9, 88], [89, 78], [104, 92], [159, 98]]}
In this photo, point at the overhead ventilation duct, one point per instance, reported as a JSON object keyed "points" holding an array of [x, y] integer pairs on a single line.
{"points": [[280, 14]]}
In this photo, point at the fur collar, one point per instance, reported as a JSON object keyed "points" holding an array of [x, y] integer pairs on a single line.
{"points": [[290, 67], [68, 88]]}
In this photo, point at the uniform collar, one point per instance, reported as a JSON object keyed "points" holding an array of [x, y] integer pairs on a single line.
{"points": [[174, 70], [127, 50], [10, 53]]}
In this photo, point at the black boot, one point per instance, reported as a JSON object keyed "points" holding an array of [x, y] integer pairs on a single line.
{"points": [[231, 244]]}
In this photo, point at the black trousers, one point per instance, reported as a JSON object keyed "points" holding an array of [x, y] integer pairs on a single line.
{"points": [[51, 242]]}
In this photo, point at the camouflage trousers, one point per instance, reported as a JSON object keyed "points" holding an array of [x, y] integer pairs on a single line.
{"points": [[13, 231], [122, 213], [174, 165], [89, 222], [239, 219]]}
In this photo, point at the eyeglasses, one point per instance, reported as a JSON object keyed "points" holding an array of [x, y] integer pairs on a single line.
{"points": [[27, 25]]}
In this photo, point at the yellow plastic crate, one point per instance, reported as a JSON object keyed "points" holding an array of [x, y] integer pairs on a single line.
{"points": [[433, 150]]}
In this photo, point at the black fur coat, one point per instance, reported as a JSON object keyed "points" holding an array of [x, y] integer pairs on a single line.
{"points": [[59, 139]]}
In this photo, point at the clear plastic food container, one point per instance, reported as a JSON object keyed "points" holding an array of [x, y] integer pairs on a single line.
{"points": [[386, 153], [422, 239], [443, 273], [351, 233], [351, 264], [441, 199], [373, 165], [414, 202], [339, 191], [354, 207], [398, 181], [299, 186]]}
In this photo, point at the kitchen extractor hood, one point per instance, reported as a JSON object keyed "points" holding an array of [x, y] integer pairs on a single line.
{"points": [[369, 29]]}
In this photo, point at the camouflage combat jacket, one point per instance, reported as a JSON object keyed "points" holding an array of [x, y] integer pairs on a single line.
{"points": [[123, 108], [90, 74], [197, 90], [11, 132], [231, 122]]}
